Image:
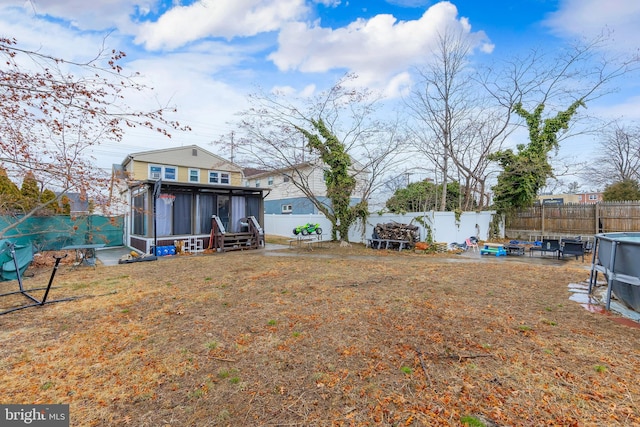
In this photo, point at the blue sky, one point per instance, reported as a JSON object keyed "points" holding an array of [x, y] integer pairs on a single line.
{"points": [[205, 56]]}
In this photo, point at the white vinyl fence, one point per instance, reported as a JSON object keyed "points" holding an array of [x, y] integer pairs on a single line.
{"points": [[443, 225]]}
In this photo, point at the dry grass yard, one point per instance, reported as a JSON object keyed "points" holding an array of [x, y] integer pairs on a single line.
{"points": [[333, 337]]}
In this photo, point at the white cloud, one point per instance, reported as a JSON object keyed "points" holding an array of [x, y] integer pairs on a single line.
{"points": [[398, 86], [328, 3], [290, 91], [190, 80], [626, 109], [376, 49], [591, 17], [83, 14], [186, 81], [50, 38], [218, 18]]}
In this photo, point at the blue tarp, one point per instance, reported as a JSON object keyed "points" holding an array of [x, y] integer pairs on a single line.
{"points": [[23, 254]]}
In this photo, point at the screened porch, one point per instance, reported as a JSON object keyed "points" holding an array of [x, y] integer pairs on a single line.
{"points": [[185, 212]]}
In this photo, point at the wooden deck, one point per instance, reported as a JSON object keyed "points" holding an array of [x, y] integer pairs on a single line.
{"points": [[222, 241]]}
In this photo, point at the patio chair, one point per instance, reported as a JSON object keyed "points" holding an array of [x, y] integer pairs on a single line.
{"points": [[588, 246], [572, 247], [548, 245], [471, 244]]}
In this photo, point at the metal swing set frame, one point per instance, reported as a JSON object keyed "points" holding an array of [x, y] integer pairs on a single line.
{"points": [[34, 302]]}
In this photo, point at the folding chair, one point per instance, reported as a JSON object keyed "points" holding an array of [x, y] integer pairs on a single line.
{"points": [[471, 244]]}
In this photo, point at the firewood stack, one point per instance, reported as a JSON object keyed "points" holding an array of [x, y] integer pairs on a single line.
{"points": [[397, 231]]}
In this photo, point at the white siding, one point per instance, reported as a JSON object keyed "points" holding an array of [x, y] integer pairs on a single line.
{"points": [[315, 176]]}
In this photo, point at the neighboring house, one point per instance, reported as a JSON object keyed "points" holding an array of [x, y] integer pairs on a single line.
{"points": [[590, 198], [560, 199], [194, 185], [285, 197]]}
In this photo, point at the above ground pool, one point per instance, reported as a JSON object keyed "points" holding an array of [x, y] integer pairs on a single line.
{"points": [[617, 255]]}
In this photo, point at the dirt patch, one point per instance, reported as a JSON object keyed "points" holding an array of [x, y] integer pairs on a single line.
{"points": [[333, 336]]}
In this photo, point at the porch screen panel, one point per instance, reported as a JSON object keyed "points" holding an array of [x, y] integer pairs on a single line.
{"points": [[182, 214], [139, 215], [253, 207], [223, 210], [163, 217], [237, 212], [206, 209]]}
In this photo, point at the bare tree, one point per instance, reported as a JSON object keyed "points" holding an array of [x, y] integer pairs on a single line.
{"points": [[457, 129], [279, 133], [618, 156], [52, 112], [440, 104]]}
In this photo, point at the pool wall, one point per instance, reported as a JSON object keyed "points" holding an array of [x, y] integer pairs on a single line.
{"points": [[617, 255]]}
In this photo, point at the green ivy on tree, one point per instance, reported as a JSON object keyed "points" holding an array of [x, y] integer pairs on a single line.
{"points": [[526, 171], [340, 184]]}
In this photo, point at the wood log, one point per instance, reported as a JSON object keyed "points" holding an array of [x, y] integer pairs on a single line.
{"points": [[397, 231]]}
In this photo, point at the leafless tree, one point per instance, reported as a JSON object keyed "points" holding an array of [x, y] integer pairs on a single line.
{"points": [[618, 156], [271, 137], [456, 127], [53, 111]]}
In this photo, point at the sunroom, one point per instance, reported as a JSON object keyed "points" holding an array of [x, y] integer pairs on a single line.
{"points": [[184, 213]]}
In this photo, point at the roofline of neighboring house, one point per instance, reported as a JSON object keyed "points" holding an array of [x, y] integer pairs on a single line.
{"points": [[130, 157], [274, 171], [292, 167]]}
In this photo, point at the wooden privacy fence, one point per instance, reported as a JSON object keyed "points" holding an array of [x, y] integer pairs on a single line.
{"points": [[574, 219]]}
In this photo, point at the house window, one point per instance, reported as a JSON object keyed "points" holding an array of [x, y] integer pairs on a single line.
{"points": [[155, 172], [593, 197], [170, 173], [287, 209], [216, 177], [257, 183], [270, 180], [285, 178], [247, 183], [194, 175]]}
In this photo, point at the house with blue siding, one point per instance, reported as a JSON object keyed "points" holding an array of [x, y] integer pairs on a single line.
{"points": [[289, 189]]}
